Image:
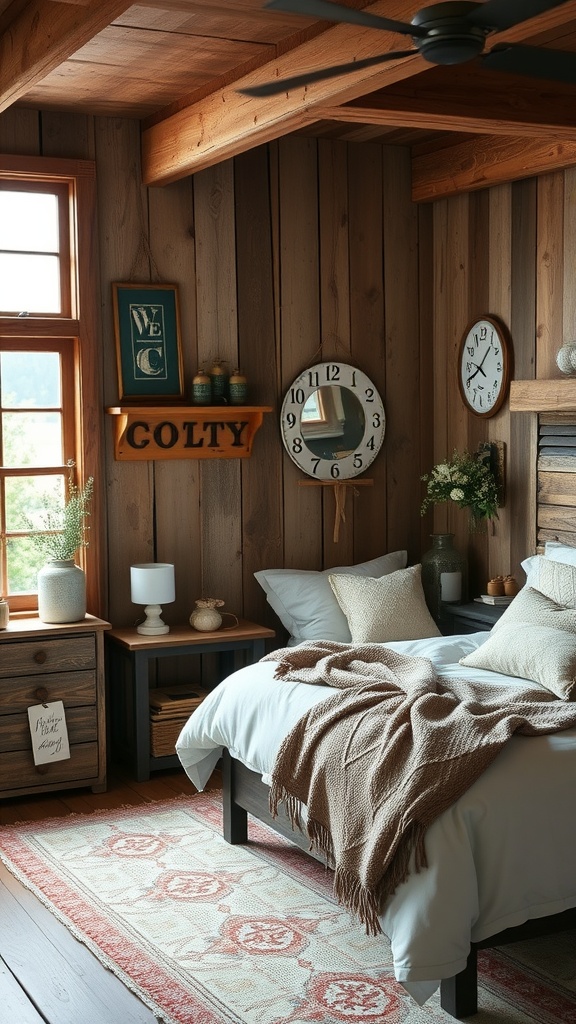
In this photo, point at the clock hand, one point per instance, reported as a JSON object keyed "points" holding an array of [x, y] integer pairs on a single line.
{"points": [[482, 361], [478, 367], [472, 375]]}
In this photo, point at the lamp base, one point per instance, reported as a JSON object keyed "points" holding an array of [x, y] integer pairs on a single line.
{"points": [[152, 625]]}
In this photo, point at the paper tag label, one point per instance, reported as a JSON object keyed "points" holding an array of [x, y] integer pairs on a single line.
{"points": [[49, 732]]}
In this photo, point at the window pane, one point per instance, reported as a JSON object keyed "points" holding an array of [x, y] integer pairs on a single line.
{"points": [[29, 284], [30, 380], [24, 560], [32, 439], [27, 498], [28, 221]]}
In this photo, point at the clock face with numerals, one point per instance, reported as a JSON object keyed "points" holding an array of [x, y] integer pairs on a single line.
{"points": [[332, 421], [485, 366]]}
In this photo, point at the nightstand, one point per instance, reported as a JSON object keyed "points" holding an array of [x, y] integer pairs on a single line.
{"points": [[40, 663], [129, 660], [473, 617]]}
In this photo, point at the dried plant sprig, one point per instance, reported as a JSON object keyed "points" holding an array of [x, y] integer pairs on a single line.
{"points": [[64, 529]]}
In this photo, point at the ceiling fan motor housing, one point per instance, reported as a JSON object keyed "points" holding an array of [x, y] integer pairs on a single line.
{"points": [[451, 38]]}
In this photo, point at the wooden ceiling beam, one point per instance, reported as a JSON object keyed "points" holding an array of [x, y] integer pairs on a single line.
{"points": [[485, 161], [225, 123], [43, 35], [495, 119]]}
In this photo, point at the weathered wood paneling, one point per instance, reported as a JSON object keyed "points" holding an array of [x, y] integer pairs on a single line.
{"points": [[305, 250]]}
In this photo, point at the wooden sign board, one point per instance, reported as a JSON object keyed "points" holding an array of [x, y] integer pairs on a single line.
{"points": [[194, 432]]}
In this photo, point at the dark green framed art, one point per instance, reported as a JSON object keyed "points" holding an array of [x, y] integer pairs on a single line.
{"points": [[148, 342]]}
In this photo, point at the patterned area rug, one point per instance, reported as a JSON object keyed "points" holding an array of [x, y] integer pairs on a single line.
{"points": [[206, 933]]}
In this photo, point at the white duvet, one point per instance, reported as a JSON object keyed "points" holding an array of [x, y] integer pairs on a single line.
{"points": [[502, 854]]}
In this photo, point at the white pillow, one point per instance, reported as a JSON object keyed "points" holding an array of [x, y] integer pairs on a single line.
{"points": [[560, 552], [381, 610], [305, 604], [530, 606], [544, 655], [555, 552], [531, 566]]}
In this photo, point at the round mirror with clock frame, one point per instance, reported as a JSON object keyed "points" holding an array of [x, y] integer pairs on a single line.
{"points": [[332, 421]]}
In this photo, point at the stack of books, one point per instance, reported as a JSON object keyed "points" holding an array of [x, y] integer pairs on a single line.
{"points": [[170, 709], [493, 599]]}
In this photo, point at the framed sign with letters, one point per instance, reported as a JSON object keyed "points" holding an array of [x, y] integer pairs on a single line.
{"points": [[148, 342]]}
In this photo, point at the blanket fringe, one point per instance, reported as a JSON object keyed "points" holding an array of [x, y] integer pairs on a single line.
{"points": [[280, 795]]}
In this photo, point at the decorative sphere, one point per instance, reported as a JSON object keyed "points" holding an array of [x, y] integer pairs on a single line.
{"points": [[566, 358]]}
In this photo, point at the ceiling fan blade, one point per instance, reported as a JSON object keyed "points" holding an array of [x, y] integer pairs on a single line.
{"points": [[536, 62], [327, 11], [501, 14], [284, 84]]}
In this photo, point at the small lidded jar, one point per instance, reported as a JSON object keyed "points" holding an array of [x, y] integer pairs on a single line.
{"points": [[495, 587], [238, 388], [202, 389]]}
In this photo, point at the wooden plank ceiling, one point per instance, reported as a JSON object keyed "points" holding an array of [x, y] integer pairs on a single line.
{"points": [[177, 65]]}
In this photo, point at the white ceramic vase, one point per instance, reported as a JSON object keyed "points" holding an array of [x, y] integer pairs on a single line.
{"points": [[61, 591]]}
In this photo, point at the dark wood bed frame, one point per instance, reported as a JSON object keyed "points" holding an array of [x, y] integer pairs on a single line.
{"points": [[244, 793]]}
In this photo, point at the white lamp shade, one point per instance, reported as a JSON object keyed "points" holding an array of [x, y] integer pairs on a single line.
{"points": [[152, 583]]}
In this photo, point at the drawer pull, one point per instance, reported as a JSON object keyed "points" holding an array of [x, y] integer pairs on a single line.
{"points": [[41, 694], [40, 657]]}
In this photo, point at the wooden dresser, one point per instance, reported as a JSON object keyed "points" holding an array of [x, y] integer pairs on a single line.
{"points": [[40, 663]]}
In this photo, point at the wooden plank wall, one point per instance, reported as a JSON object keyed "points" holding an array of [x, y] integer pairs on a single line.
{"points": [[294, 253], [302, 251]]}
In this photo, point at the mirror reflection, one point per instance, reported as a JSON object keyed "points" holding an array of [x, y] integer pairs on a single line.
{"points": [[332, 422]]}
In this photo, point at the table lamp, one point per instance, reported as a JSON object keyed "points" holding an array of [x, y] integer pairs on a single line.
{"points": [[152, 584]]}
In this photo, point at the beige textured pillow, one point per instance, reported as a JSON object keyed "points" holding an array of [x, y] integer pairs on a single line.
{"points": [[390, 608], [544, 655], [530, 606], [557, 581]]}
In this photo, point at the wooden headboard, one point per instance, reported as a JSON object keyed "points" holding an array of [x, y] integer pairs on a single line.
{"points": [[556, 478]]}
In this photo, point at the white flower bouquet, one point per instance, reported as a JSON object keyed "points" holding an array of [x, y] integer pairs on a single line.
{"points": [[468, 481]]}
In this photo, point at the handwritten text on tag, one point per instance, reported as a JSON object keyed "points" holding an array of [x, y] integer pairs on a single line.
{"points": [[48, 731]]}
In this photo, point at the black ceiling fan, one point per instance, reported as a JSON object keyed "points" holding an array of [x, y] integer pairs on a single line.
{"points": [[446, 33]]}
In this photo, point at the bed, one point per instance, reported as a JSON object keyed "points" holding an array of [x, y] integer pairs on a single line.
{"points": [[502, 859]]}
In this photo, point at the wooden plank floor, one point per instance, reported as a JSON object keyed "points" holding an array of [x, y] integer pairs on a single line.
{"points": [[46, 975]]}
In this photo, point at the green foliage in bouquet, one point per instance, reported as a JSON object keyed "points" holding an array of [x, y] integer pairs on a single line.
{"points": [[468, 481]]}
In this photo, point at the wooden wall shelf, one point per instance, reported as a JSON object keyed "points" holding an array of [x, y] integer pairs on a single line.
{"points": [[185, 432], [557, 395]]}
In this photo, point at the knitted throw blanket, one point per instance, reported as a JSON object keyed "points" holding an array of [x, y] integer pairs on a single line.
{"points": [[383, 756]]}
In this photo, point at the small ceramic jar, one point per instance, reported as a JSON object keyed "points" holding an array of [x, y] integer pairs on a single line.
{"points": [[495, 587], [238, 388], [205, 617], [202, 389], [511, 587], [219, 381]]}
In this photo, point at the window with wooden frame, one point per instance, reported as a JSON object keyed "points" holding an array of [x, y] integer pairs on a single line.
{"points": [[49, 373]]}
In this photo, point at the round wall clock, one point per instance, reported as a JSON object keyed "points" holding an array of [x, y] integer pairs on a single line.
{"points": [[485, 365], [332, 421]]}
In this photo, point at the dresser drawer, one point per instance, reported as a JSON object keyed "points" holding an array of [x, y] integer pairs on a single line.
{"points": [[73, 688], [18, 771], [81, 724], [30, 657]]}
